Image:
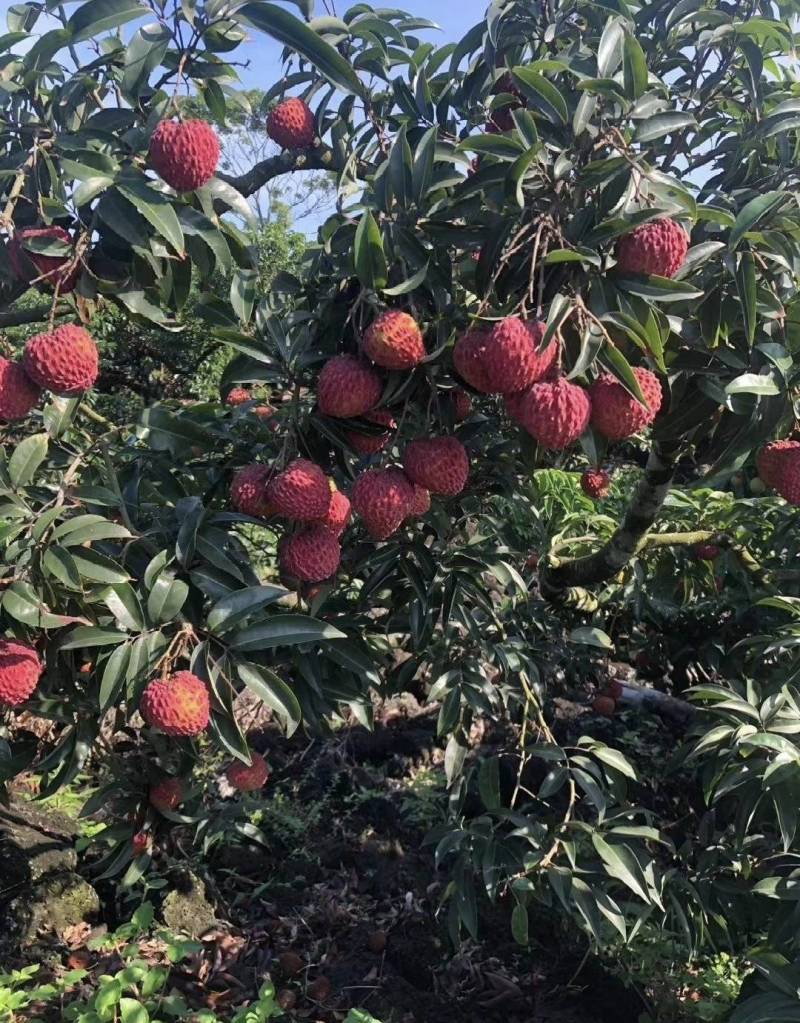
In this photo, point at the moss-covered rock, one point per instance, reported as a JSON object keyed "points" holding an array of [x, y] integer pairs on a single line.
{"points": [[186, 910]]}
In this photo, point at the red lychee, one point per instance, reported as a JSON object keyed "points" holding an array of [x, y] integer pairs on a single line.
{"points": [[657, 247], [265, 412], [616, 414], [394, 341], [249, 491], [291, 124], [177, 705], [184, 154], [20, 671], [18, 394], [707, 551], [371, 443], [311, 555], [440, 464], [462, 405], [596, 483], [604, 705], [338, 514], [300, 492], [140, 843], [787, 480], [46, 271], [554, 412], [248, 777], [166, 794], [347, 387], [511, 358], [238, 396], [771, 457], [468, 358], [420, 503], [614, 689], [501, 118], [64, 361], [382, 498]]}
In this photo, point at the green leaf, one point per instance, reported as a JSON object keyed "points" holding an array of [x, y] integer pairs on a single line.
{"points": [[621, 369], [143, 53], [543, 94], [132, 1011], [166, 598], [97, 16], [666, 123], [422, 169], [370, 261], [90, 636], [634, 68], [243, 292], [24, 604], [591, 636], [751, 213], [622, 865], [114, 675], [230, 610], [96, 567], [753, 383], [155, 207], [519, 924], [411, 284], [122, 601], [609, 50], [273, 691], [489, 782], [400, 168], [26, 459], [746, 288], [284, 630], [292, 32]]}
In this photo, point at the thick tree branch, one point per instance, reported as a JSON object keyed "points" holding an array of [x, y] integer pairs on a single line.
{"points": [[16, 317], [284, 163], [565, 581]]}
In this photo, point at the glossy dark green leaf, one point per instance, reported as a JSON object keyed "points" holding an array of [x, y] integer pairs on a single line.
{"points": [[239, 605], [114, 675], [284, 630], [370, 261], [166, 598], [97, 16], [666, 123], [543, 94], [751, 213], [28, 455], [746, 288], [634, 67], [91, 636], [270, 688]]}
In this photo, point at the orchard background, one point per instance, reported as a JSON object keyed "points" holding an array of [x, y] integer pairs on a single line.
{"points": [[402, 623]]}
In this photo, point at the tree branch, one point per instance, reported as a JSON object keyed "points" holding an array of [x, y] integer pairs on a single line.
{"points": [[284, 163], [565, 581], [16, 317]]}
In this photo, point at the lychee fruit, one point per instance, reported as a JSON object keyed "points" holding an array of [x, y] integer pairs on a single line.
{"points": [[554, 412], [440, 464], [140, 843], [707, 551], [614, 689], [319, 990], [394, 341], [286, 999], [265, 412], [382, 498], [310, 556], [249, 491], [64, 361], [176, 705], [301, 492], [787, 481], [338, 514], [604, 705], [166, 794], [291, 124], [469, 358], [20, 671], [347, 387], [185, 154], [462, 405], [511, 358], [238, 396], [532, 561], [501, 118], [770, 458], [47, 271], [372, 443], [420, 503], [248, 777], [616, 414], [18, 394], [596, 483], [657, 247]]}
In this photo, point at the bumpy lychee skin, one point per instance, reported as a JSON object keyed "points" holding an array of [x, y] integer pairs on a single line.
{"points": [[20, 671], [166, 794], [394, 341], [554, 412], [771, 457], [347, 387], [291, 124], [382, 498], [595, 483], [338, 515], [462, 405], [420, 503], [310, 555], [615, 413], [249, 491], [300, 492], [238, 396], [707, 551], [64, 361], [469, 358], [511, 359], [440, 464], [787, 480], [177, 705], [47, 271], [18, 394], [248, 777], [184, 154], [658, 247], [371, 443]]}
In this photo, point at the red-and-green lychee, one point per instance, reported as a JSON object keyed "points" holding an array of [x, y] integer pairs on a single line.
{"points": [[177, 705], [394, 341]]}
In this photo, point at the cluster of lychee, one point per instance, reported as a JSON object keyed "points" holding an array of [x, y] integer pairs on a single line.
{"points": [[778, 466], [64, 361]]}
